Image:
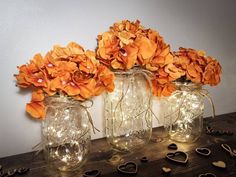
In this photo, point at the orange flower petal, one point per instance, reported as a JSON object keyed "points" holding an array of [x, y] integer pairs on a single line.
{"points": [[162, 80], [21, 81], [71, 89], [129, 56], [165, 51], [162, 72], [151, 68], [105, 80], [37, 79], [74, 49], [89, 64], [125, 37], [36, 109], [146, 47], [191, 70], [168, 89], [37, 96], [116, 65], [86, 91], [173, 71], [38, 61], [79, 98], [212, 72], [154, 36]]}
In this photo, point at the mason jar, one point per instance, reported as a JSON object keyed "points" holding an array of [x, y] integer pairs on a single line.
{"points": [[128, 111], [184, 111], [65, 133]]}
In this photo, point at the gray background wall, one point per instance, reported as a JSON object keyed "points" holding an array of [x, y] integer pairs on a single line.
{"points": [[31, 26]]}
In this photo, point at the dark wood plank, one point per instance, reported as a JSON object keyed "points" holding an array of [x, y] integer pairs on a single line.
{"points": [[101, 153]]}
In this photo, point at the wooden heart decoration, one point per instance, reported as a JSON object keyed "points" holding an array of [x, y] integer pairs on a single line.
{"points": [[2, 173], [172, 146], [22, 170], [92, 173], [144, 159], [11, 172], [178, 156], [207, 175], [203, 151], [166, 170], [219, 164], [229, 133], [128, 168]]}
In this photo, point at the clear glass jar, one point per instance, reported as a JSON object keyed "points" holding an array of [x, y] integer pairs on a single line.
{"points": [[128, 111], [185, 108], [65, 133]]}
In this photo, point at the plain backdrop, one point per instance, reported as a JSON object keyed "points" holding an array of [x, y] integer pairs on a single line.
{"points": [[31, 26]]}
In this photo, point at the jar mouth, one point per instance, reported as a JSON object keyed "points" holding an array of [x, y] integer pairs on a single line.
{"points": [[129, 71], [125, 72], [188, 85], [60, 99]]}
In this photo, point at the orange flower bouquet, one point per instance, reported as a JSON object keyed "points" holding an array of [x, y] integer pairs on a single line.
{"points": [[197, 67], [186, 106], [68, 71], [61, 81], [128, 44]]}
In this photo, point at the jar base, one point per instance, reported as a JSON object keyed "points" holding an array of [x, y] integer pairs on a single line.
{"points": [[183, 138], [125, 146]]}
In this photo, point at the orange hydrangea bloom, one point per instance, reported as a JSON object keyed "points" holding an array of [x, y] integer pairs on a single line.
{"points": [[64, 70], [127, 44], [197, 67]]}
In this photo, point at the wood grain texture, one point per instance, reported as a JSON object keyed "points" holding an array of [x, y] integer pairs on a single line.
{"points": [[155, 152]]}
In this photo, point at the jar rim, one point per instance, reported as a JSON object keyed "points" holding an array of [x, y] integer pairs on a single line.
{"points": [[61, 98], [129, 71], [192, 85]]}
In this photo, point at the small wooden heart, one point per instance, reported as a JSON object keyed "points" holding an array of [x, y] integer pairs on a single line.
{"points": [[11, 172], [172, 146], [207, 175], [2, 174], [144, 159], [178, 156], [128, 168], [166, 170], [219, 164], [203, 151], [92, 173], [227, 132], [22, 170]]}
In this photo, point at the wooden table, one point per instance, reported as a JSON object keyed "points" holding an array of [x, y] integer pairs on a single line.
{"points": [[101, 153]]}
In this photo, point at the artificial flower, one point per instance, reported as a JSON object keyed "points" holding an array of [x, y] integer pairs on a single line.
{"points": [[69, 71], [127, 44], [197, 67]]}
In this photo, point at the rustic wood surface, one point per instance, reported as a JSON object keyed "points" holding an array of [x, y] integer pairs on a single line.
{"points": [[155, 151]]}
